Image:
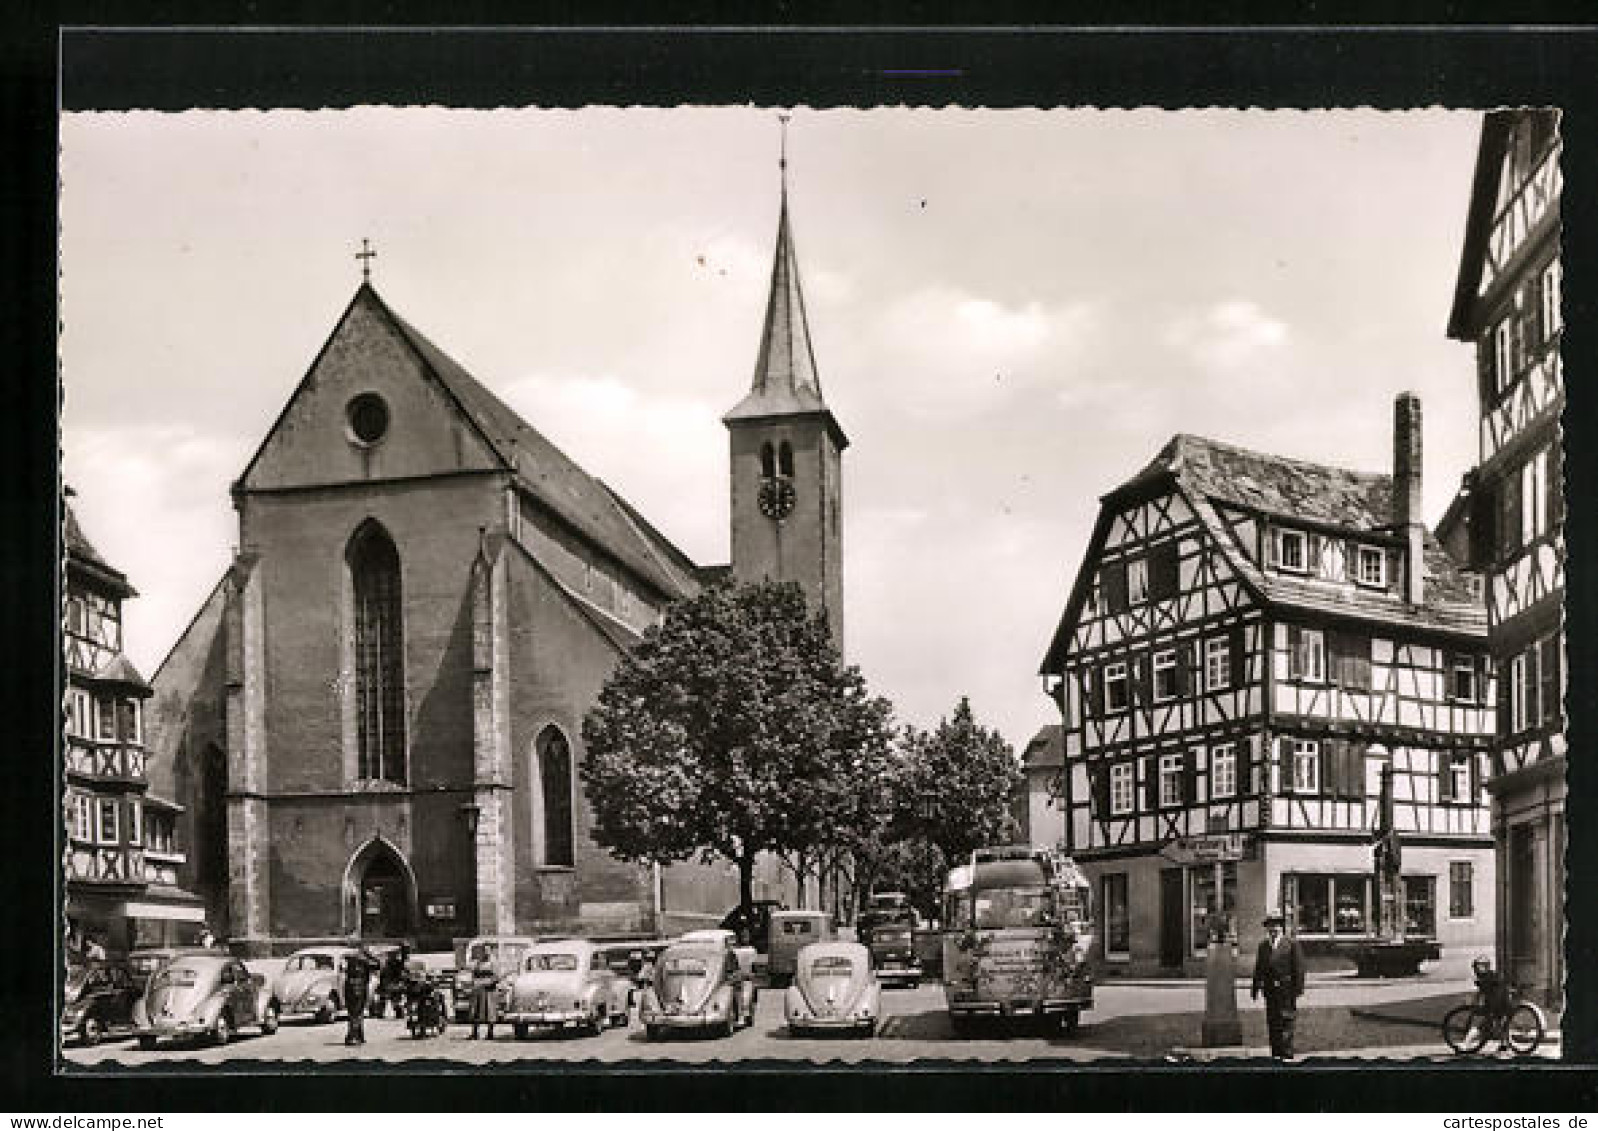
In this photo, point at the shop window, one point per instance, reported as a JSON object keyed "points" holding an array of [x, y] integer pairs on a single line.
{"points": [[1351, 904], [1201, 888], [1420, 906], [1461, 896], [1117, 916], [1328, 905]]}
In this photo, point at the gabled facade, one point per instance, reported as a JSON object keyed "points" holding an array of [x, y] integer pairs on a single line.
{"points": [[1250, 640], [121, 858], [1508, 303]]}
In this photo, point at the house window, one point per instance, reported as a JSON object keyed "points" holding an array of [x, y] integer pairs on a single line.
{"points": [[75, 615], [158, 832], [1305, 768], [1223, 772], [1170, 780], [379, 656], [1371, 568], [1217, 664], [1462, 681], [1117, 688], [1552, 286], [1309, 655], [1534, 497], [1164, 675], [1117, 916], [106, 831], [555, 781], [1137, 581], [1121, 789], [1290, 551], [105, 709], [1457, 767], [135, 823], [1420, 906], [1502, 342], [128, 729], [1461, 896], [80, 716], [1523, 704], [82, 818]]}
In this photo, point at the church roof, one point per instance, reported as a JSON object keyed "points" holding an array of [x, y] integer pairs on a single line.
{"points": [[549, 475], [786, 382], [120, 670], [82, 555]]}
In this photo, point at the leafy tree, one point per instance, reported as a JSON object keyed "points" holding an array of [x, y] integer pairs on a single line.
{"points": [[732, 729]]}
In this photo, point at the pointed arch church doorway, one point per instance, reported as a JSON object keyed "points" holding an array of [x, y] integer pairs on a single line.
{"points": [[383, 890]]}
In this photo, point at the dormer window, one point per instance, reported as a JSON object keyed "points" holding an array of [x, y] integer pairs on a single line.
{"points": [[1371, 566], [1291, 551]]}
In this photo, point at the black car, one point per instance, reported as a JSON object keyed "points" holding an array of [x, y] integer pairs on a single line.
{"points": [[752, 923], [99, 1001]]}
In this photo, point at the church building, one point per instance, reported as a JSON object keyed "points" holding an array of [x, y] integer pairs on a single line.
{"points": [[375, 719]]}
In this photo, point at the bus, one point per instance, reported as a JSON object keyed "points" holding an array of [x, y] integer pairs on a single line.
{"points": [[1017, 932]]}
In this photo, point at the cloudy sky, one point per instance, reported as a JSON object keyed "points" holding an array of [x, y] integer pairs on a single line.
{"points": [[1011, 311]]}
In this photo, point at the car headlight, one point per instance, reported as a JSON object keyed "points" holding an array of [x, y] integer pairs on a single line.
{"points": [[73, 1015]]}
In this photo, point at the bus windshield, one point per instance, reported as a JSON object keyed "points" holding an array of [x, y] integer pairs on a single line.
{"points": [[999, 908]]}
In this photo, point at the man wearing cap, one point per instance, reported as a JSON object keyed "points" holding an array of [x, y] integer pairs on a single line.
{"points": [[1279, 973]]}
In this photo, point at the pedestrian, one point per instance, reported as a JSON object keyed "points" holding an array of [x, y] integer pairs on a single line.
{"points": [[1279, 974], [485, 1000], [358, 967], [207, 939]]}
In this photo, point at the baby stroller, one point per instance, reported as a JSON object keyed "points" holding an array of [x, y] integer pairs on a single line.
{"points": [[424, 1004]]}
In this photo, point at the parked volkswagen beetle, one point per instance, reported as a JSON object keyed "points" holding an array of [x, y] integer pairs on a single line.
{"points": [[99, 1001], [698, 986], [206, 995], [834, 988], [567, 984], [312, 982]]}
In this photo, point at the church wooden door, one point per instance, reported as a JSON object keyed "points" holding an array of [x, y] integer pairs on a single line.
{"points": [[385, 902]]}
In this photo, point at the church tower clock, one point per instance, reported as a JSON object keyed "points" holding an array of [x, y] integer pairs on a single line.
{"points": [[787, 452]]}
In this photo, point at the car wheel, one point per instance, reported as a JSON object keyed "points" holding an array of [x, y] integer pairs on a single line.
{"points": [[652, 1032], [964, 1025], [598, 1022], [269, 1020], [91, 1032], [222, 1031], [1070, 1022], [329, 1010], [520, 1029], [147, 1043], [869, 1029]]}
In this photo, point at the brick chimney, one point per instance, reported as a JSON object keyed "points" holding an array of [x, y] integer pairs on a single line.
{"points": [[1407, 504]]}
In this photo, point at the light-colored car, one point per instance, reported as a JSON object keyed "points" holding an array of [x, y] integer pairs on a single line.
{"points": [[312, 983], [834, 988], [720, 936], [505, 953], [568, 984], [698, 986], [203, 996]]}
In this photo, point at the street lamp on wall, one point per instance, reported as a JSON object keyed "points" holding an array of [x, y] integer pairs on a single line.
{"points": [[471, 812]]}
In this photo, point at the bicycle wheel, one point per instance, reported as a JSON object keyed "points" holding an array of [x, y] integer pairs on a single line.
{"points": [[1465, 1029], [1523, 1032]]}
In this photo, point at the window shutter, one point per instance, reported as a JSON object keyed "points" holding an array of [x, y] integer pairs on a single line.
{"points": [[1534, 311], [1189, 777], [1238, 658], [1295, 641], [1331, 760], [1483, 536], [1356, 770], [1143, 677], [1101, 791], [1556, 486], [1094, 678], [1506, 693], [1151, 784], [1509, 514], [1484, 369], [1184, 668], [1313, 545], [1445, 776], [1548, 667], [1163, 571], [1113, 580], [1359, 660]]}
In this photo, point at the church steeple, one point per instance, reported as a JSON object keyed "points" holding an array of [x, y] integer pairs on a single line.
{"points": [[786, 382], [786, 466]]}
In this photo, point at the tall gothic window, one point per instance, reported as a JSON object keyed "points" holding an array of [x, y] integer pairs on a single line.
{"points": [[785, 459], [379, 656], [555, 780], [768, 461]]}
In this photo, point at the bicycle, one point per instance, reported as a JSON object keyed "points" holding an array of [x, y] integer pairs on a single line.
{"points": [[1467, 1028]]}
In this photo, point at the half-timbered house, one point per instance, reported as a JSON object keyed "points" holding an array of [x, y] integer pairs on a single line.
{"points": [[1507, 302], [1249, 641], [120, 861]]}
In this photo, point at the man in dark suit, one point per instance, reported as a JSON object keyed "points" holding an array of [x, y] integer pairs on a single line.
{"points": [[359, 965], [1279, 974]]}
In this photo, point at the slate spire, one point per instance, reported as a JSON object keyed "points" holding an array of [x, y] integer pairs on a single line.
{"points": [[785, 381]]}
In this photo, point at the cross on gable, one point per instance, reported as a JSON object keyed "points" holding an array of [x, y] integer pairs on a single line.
{"points": [[366, 255]]}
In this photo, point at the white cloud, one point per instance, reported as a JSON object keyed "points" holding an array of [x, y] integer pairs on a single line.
{"points": [[1227, 335]]}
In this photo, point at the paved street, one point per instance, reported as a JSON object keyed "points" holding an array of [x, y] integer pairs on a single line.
{"points": [[1144, 1019]]}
